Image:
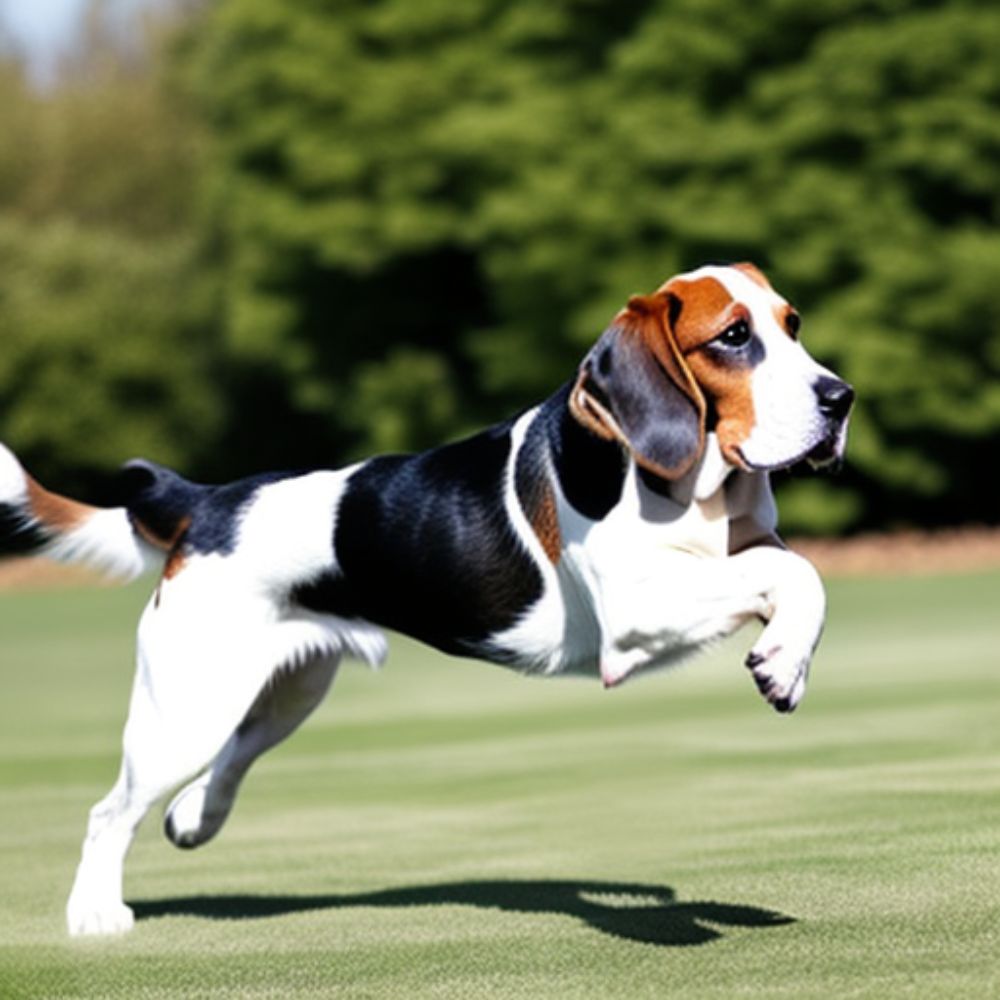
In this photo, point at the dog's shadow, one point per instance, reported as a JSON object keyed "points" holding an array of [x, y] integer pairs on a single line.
{"points": [[650, 914]]}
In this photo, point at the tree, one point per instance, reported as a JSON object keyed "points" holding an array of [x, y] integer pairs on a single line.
{"points": [[485, 183], [377, 224], [106, 303]]}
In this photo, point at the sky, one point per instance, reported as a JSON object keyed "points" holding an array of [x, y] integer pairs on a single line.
{"points": [[42, 28], [40, 25]]}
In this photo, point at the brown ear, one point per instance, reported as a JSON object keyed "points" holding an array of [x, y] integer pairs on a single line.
{"points": [[635, 387]]}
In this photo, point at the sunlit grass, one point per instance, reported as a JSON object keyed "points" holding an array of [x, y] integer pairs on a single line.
{"points": [[447, 829]]}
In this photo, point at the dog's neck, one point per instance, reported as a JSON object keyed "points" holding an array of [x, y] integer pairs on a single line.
{"points": [[706, 478]]}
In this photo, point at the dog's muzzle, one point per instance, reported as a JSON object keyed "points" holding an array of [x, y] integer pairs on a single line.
{"points": [[835, 397]]}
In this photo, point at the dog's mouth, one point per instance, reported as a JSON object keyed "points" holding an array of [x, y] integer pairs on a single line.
{"points": [[827, 455]]}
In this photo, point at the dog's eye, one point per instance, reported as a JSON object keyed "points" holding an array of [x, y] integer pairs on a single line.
{"points": [[735, 336]]}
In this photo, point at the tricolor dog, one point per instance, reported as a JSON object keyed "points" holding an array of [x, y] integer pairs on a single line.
{"points": [[621, 525]]}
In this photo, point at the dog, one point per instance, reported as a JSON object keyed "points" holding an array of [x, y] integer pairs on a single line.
{"points": [[621, 525]]}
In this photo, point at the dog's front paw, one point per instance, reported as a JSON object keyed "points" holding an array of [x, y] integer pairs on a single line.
{"points": [[780, 675]]}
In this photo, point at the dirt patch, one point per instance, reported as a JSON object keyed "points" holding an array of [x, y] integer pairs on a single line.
{"points": [[958, 550], [40, 574]]}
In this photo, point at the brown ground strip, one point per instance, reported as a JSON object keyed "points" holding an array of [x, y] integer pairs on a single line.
{"points": [[957, 550]]}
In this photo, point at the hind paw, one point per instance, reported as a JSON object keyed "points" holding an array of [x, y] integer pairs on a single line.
{"points": [[193, 818]]}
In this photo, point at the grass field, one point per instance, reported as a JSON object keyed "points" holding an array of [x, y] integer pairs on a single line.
{"points": [[444, 829]]}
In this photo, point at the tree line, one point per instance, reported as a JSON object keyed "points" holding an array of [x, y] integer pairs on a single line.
{"points": [[286, 235]]}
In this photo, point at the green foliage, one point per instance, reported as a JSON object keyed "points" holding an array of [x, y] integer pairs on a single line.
{"points": [[403, 402], [374, 225], [111, 144], [486, 183], [104, 331], [105, 303]]}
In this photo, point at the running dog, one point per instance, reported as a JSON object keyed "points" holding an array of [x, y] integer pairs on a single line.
{"points": [[621, 525]]}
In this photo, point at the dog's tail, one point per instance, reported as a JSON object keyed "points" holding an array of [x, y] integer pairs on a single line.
{"points": [[119, 541]]}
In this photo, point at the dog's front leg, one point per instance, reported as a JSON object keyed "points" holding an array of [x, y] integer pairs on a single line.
{"points": [[794, 607]]}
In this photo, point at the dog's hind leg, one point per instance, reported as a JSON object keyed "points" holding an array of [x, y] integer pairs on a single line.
{"points": [[205, 653], [162, 746], [199, 810]]}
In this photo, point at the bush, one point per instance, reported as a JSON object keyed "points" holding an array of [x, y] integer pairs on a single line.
{"points": [[108, 334], [488, 183]]}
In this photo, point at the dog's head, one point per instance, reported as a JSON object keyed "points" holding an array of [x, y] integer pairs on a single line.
{"points": [[714, 349]]}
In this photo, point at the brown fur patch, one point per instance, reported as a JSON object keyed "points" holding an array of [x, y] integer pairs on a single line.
{"points": [[707, 308], [734, 407], [587, 411], [55, 511], [544, 521], [155, 540], [755, 274], [174, 564], [788, 319], [166, 542], [176, 558]]}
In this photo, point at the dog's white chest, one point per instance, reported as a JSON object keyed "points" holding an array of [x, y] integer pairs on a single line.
{"points": [[704, 528]]}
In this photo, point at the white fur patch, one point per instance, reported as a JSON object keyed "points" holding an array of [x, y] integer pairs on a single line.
{"points": [[286, 533], [650, 569], [105, 541], [13, 483], [285, 539], [537, 637], [788, 423]]}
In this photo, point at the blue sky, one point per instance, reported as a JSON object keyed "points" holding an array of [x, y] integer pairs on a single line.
{"points": [[40, 25], [41, 28]]}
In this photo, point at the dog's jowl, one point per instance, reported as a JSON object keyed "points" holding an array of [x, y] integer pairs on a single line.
{"points": [[622, 524]]}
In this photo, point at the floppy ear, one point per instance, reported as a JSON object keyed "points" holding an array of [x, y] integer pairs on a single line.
{"points": [[635, 387]]}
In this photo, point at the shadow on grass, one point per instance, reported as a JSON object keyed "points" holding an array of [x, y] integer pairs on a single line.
{"points": [[650, 914]]}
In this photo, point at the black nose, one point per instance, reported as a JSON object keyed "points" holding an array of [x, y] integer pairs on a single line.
{"points": [[835, 397]]}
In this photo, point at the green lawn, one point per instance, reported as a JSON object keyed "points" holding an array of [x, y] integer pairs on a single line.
{"points": [[447, 829]]}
